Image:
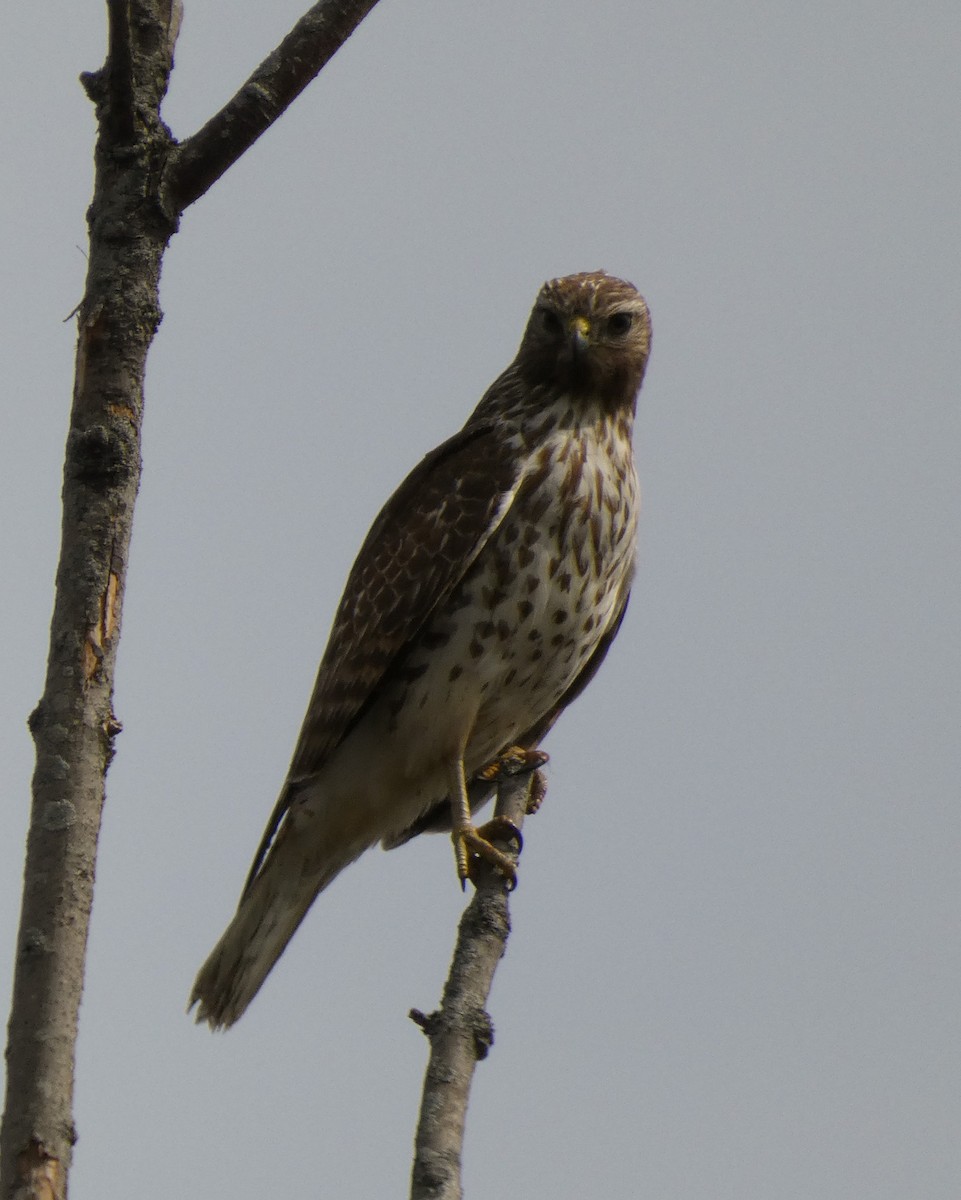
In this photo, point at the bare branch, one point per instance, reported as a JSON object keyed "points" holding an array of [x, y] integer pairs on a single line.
{"points": [[74, 726], [130, 221], [276, 83], [461, 1032]]}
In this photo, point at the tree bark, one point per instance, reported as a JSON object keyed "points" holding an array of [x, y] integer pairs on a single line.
{"points": [[461, 1031], [131, 220], [73, 726]]}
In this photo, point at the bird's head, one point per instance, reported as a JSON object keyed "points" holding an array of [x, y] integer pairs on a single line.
{"points": [[589, 334]]}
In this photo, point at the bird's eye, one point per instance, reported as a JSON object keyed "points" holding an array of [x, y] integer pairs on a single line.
{"points": [[620, 323], [551, 322]]}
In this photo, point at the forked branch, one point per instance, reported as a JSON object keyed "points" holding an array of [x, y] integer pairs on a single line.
{"points": [[275, 84], [131, 221]]}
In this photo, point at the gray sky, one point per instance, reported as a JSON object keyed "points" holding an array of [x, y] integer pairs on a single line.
{"points": [[735, 972]]}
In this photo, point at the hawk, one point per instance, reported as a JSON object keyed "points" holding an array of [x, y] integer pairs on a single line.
{"points": [[482, 601]]}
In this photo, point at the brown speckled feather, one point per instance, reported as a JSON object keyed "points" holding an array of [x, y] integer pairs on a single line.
{"points": [[418, 549], [437, 819]]}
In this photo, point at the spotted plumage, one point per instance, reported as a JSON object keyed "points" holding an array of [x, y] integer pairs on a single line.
{"points": [[482, 601]]}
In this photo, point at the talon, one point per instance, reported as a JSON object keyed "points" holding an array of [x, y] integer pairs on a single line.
{"points": [[472, 847], [514, 761], [501, 829], [462, 859], [535, 797]]}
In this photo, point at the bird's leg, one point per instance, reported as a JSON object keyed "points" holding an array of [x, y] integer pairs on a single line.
{"points": [[469, 841], [460, 815]]}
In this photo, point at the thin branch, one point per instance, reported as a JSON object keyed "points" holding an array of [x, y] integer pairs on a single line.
{"points": [[461, 1032], [275, 84]]}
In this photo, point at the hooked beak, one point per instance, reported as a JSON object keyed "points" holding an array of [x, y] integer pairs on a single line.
{"points": [[580, 331]]}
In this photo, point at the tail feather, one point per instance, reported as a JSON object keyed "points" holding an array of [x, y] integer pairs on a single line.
{"points": [[267, 917]]}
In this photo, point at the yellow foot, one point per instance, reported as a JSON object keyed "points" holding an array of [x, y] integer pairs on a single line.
{"points": [[514, 761], [474, 846], [535, 797]]}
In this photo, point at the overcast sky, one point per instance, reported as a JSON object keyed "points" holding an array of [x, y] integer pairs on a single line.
{"points": [[735, 969]]}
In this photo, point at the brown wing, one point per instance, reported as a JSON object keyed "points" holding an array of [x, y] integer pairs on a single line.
{"points": [[423, 541]]}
